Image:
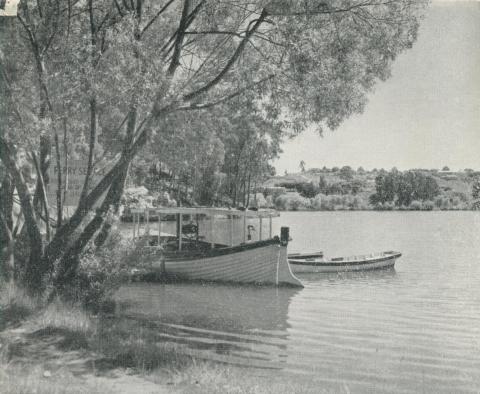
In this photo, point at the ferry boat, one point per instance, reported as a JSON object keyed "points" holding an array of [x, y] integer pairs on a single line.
{"points": [[194, 253], [343, 264]]}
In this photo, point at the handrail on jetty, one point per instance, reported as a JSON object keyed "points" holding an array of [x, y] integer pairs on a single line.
{"points": [[147, 213]]}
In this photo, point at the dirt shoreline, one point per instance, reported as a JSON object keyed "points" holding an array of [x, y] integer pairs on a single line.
{"points": [[53, 358]]}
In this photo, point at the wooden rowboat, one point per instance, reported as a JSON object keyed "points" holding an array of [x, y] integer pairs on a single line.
{"points": [[344, 264], [201, 257]]}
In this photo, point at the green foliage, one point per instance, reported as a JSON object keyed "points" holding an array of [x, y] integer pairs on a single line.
{"points": [[292, 202], [476, 190], [307, 190], [323, 202], [101, 272], [404, 188], [346, 173], [322, 184], [258, 200], [380, 190]]}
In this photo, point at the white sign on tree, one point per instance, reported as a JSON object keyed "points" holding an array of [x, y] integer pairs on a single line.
{"points": [[73, 178]]}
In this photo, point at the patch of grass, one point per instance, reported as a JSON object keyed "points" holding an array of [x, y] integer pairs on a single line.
{"points": [[208, 378], [66, 316], [15, 379], [15, 305], [128, 344]]}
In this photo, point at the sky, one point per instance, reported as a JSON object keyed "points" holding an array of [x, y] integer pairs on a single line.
{"points": [[427, 115]]}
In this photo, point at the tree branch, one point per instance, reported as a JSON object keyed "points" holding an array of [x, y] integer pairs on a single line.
{"points": [[225, 98], [162, 10], [231, 62], [43, 194], [91, 148], [8, 160], [59, 182], [177, 46]]}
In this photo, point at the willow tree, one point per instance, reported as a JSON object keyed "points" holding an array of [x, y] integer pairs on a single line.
{"points": [[134, 63]]}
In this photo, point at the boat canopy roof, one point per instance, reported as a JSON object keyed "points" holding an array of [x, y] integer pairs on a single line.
{"points": [[264, 213]]}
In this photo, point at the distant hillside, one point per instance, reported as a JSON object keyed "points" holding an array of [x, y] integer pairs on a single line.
{"points": [[345, 188]]}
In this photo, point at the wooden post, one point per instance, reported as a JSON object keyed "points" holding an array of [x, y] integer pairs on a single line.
{"points": [[231, 230], [245, 226], [212, 228], [179, 231], [134, 223], [197, 229], [159, 227], [137, 224], [260, 230], [147, 225], [270, 226], [284, 235]]}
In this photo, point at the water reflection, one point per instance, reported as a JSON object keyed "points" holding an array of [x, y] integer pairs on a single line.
{"points": [[412, 329], [235, 324]]}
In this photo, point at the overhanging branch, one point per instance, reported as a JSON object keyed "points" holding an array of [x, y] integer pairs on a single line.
{"points": [[225, 98], [231, 62]]}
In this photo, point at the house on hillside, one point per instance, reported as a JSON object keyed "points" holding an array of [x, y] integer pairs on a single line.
{"points": [[272, 190], [447, 175]]}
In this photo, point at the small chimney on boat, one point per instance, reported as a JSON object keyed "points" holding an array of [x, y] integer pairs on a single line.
{"points": [[284, 235]]}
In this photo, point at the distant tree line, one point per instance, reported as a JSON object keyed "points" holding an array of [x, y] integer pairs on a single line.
{"points": [[404, 188], [348, 189]]}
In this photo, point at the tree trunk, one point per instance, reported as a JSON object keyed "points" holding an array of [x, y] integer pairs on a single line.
{"points": [[7, 257], [119, 185], [248, 190], [91, 149], [7, 262], [60, 241], [34, 271], [43, 195], [59, 182], [69, 263], [45, 151]]}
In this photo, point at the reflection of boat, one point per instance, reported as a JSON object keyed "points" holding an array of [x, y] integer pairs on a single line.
{"points": [[200, 257], [344, 264], [244, 325]]}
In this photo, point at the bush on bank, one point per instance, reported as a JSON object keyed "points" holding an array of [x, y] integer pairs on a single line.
{"points": [[293, 201], [102, 271]]}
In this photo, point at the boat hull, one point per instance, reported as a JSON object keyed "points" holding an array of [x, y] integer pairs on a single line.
{"points": [[265, 263], [381, 262]]}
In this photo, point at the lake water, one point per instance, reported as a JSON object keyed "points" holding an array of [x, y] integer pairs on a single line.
{"points": [[412, 329]]}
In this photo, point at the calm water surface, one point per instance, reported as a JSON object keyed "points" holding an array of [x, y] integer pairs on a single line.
{"points": [[412, 329]]}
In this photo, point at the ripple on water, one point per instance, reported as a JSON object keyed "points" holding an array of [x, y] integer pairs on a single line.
{"points": [[412, 329]]}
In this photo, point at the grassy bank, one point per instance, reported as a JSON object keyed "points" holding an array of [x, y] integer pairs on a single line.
{"points": [[62, 348]]}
